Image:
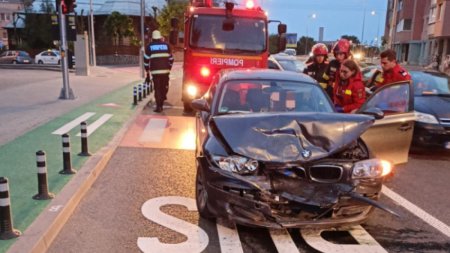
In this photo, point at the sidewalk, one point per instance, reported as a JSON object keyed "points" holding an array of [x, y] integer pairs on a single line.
{"points": [[112, 95]]}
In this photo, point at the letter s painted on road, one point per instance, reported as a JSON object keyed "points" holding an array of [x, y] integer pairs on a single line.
{"points": [[197, 237]]}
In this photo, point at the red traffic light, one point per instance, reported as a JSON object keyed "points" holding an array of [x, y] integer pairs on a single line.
{"points": [[68, 6]]}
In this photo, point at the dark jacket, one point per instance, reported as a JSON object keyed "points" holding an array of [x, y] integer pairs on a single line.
{"points": [[158, 58]]}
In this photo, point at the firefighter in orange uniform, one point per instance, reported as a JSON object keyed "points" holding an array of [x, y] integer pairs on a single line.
{"points": [[392, 71], [349, 92]]}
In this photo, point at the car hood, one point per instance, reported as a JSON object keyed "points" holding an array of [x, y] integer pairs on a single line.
{"points": [[290, 137], [438, 106]]}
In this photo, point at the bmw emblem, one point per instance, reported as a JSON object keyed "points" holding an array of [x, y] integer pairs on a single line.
{"points": [[306, 153]]}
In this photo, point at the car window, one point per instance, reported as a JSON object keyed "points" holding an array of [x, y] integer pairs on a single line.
{"points": [[51, 54], [288, 65], [391, 99], [253, 96], [22, 53], [273, 65], [427, 84]]}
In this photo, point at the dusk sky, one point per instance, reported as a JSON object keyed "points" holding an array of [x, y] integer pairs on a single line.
{"points": [[338, 17]]}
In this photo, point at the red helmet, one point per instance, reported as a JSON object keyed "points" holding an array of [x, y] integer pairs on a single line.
{"points": [[319, 49], [342, 46]]}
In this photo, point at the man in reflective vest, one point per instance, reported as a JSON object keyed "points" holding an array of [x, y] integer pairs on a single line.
{"points": [[158, 61]]}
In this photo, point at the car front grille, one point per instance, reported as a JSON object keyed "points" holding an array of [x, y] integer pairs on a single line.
{"points": [[326, 173]]}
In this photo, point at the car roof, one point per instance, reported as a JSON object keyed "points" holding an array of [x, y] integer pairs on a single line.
{"points": [[263, 74], [283, 57]]}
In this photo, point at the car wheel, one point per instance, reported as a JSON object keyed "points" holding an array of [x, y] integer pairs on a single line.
{"points": [[14, 62], [40, 62], [201, 196]]}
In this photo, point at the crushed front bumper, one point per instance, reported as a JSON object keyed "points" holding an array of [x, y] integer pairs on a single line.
{"points": [[247, 203]]}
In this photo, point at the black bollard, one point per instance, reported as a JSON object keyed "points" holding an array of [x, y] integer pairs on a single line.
{"points": [[139, 92], [144, 90], [135, 96], [7, 230], [67, 165], [42, 178], [84, 140]]}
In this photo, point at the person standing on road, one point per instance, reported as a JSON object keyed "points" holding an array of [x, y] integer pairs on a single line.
{"points": [[158, 60], [392, 71], [341, 51], [349, 92], [317, 67]]}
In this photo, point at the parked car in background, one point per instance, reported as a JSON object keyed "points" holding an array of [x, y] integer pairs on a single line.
{"points": [[271, 150], [15, 57], [290, 51], [286, 62], [432, 105], [48, 57]]}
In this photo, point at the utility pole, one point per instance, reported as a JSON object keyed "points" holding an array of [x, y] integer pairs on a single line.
{"points": [[92, 35], [141, 51], [66, 91]]}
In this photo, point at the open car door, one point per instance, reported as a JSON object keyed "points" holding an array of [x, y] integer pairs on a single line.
{"points": [[390, 137]]}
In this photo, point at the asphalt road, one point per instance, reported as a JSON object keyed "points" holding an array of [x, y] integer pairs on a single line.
{"points": [[121, 211]]}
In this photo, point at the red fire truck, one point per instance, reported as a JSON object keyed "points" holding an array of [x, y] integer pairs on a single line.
{"points": [[218, 36]]}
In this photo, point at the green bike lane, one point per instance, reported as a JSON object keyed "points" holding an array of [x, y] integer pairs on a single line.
{"points": [[18, 157]]}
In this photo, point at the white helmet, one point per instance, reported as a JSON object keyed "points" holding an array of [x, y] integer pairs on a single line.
{"points": [[156, 35]]}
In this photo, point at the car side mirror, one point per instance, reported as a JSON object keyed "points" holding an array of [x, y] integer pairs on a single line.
{"points": [[200, 105], [373, 111]]}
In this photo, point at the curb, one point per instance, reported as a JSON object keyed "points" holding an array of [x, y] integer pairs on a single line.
{"points": [[56, 68], [40, 234]]}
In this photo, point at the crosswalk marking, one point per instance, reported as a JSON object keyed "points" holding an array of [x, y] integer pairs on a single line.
{"points": [[283, 241], [154, 130], [92, 127], [74, 123], [229, 239]]}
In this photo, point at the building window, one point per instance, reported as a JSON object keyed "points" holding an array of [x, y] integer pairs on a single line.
{"points": [[432, 15], [440, 12], [400, 5], [407, 25], [2, 16]]}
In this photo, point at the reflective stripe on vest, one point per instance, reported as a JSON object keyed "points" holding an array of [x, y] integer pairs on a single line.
{"points": [[146, 57], [160, 55], [161, 71]]}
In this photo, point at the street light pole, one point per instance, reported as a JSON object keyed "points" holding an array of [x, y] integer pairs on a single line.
{"points": [[363, 25], [313, 16]]}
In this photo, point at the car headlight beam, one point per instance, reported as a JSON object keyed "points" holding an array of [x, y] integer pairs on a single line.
{"points": [[236, 164], [372, 168], [425, 118]]}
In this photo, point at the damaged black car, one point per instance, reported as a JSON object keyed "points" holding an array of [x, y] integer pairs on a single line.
{"points": [[272, 152]]}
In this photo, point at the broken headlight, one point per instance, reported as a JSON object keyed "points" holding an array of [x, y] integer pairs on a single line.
{"points": [[236, 164], [372, 168]]}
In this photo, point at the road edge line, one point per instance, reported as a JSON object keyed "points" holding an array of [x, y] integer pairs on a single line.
{"points": [[40, 234]]}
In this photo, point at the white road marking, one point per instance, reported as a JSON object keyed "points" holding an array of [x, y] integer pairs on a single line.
{"points": [[229, 239], [153, 131], [55, 208], [367, 244], [283, 241], [197, 239], [96, 124], [74, 123], [419, 212]]}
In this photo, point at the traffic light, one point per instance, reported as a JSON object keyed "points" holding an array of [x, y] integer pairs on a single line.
{"points": [[68, 6]]}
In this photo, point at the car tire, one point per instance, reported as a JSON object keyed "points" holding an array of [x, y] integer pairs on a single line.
{"points": [[40, 62], [201, 196], [14, 62]]}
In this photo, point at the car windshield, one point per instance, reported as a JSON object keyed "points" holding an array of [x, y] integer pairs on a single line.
{"points": [[207, 32], [253, 96], [22, 53], [429, 84]]}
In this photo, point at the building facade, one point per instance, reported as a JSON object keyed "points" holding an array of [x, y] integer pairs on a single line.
{"points": [[7, 12], [416, 30]]}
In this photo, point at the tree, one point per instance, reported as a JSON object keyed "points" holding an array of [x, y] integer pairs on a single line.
{"points": [[37, 30], [305, 44], [352, 38], [173, 9], [273, 43], [119, 26]]}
